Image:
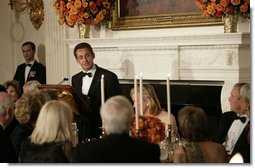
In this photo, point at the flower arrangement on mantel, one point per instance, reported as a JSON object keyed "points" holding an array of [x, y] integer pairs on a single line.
{"points": [[88, 12], [219, 8], [150, 129]]}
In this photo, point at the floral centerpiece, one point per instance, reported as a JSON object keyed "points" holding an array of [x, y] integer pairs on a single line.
{"points": [[218, 8], [150, 129], [88, 12]]}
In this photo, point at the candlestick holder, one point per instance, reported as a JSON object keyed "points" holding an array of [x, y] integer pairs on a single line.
{"points": [[103, 132], [166, 146], [137, 133], [170, 143]]}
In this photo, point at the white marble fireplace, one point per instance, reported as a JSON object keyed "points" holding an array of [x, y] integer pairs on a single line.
{"points": [[209, 57]]}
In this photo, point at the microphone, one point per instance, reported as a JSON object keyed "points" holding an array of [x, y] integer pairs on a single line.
{"points": [[62, 81]]}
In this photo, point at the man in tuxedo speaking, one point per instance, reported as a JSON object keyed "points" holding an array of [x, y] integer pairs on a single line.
{"points": [[31, 69], [87, 86]]}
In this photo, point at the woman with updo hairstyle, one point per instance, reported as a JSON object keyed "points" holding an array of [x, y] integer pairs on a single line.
{"points": [[197, 147]]}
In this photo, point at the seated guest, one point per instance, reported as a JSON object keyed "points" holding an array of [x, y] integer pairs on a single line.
{"points": [[238, 137], [13, 89], [51, 139], [31, 86], [117, 146], [26, 112], [7, 153], [197, 148], [151, 105], [228, 117]]}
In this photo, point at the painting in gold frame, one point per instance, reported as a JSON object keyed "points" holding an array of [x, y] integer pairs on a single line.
{"points": [[143, 14]]}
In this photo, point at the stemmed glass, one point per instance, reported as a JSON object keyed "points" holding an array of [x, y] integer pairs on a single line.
{"points": [[163, 150]]}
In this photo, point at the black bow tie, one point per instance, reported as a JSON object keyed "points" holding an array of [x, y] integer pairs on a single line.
{"points": [[29, 65], [89, 74], [243, 119]]}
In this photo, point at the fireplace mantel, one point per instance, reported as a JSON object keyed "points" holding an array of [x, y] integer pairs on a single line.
{"points": [[209, 57]]}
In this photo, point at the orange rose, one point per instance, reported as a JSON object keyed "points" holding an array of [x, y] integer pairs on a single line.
{"points": [[77, 4], [86, 15], [219, 7], [244, 8], [84, 4], [235, 2], [211, 9], [224, 3], [61, 20]]}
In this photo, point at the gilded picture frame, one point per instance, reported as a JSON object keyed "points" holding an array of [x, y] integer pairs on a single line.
{"points": [[158, 19]]}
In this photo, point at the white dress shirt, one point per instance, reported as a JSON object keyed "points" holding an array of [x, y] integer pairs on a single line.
{"points": [[27, 69], [86, 81], [234, 133]]}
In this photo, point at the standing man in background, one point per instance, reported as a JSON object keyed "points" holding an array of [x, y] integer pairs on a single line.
{"points": [[31, 69], [87, 85]]}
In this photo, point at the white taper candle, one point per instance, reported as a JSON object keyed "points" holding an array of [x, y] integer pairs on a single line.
{"points": [[168, 97], [141, 94], [136, 102], [102, 90]]}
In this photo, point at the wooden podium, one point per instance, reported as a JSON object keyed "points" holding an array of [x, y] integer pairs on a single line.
{"points": [[67, 93], [59, 88]]}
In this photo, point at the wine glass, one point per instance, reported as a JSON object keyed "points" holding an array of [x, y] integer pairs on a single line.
{"points": [[163, 150]]}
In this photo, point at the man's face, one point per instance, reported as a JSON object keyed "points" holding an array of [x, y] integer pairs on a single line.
{"points": [[28, 53], [85, 58], [234, 100]]}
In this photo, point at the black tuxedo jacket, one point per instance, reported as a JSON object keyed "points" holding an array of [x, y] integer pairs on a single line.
{"points": [[37, 72], [7, 153], [224, 124], [243, 144], [90, 120], [117, 148]]}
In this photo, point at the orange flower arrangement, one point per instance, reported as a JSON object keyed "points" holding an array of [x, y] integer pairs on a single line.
{"points": [[150, 129], [86, 12], [220, 8]]}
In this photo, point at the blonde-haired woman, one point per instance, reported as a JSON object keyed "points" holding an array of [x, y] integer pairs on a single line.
{"points": [[51, 139], [151, 106]]}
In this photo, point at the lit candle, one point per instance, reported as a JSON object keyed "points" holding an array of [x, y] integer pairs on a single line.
{"points": [[102, 89], [141, 93], [168, 97], [136, 102]]}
